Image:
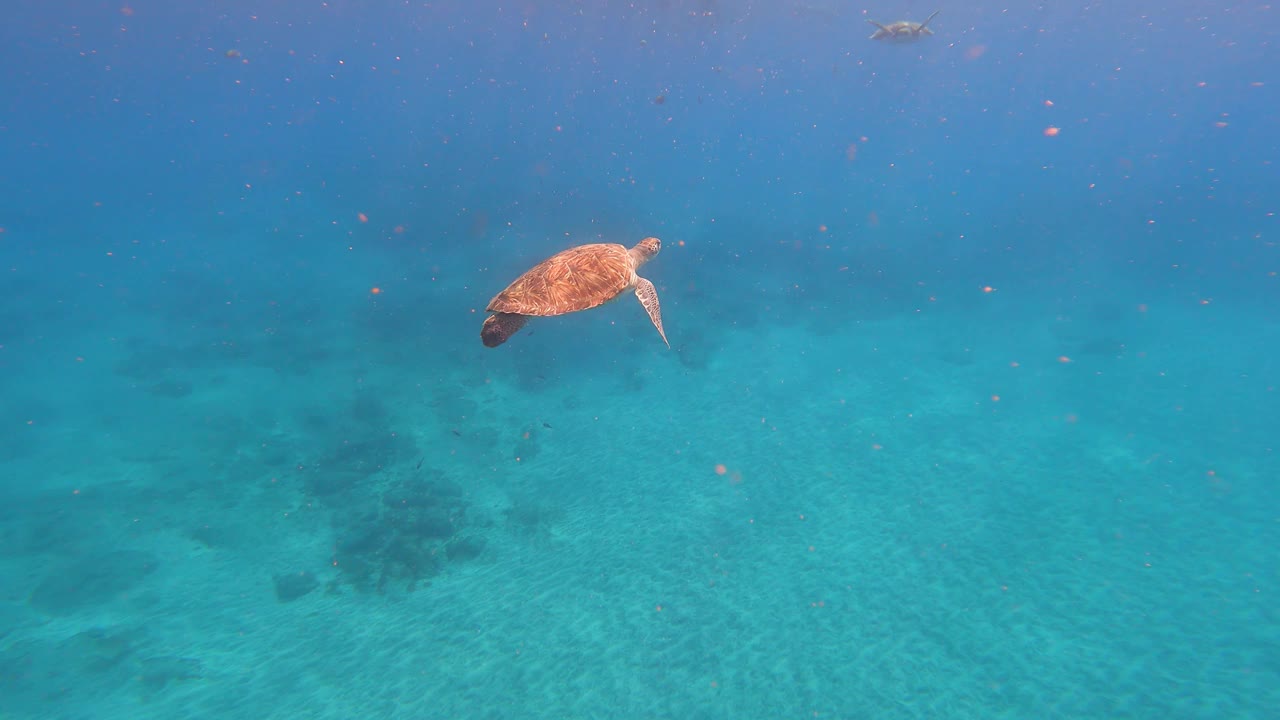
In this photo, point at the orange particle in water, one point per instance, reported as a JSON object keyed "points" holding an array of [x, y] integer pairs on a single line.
{"points": [[375, 291], [822, 228], [399, 230], [995, 398], [680, 243], [1051, 131], [1048, 103], [362, 217], [721, 469], [1064, 359], [988, 289], [126, 11]]}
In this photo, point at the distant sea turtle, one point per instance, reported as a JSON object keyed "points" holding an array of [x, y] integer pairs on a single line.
{"points": [[902, 31], [579, 278]]}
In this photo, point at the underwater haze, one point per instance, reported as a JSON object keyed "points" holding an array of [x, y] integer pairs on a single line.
{"points": [[971, 407]]}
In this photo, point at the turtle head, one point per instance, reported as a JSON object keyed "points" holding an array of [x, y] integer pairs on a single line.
{"points": [[644, 250], [499, 327]]}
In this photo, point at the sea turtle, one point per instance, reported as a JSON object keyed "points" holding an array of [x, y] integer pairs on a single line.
{"points": [[903, 31], [579, 278]]}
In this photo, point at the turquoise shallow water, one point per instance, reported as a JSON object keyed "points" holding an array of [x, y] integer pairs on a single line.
{"points": [[985, 504], [960, 418]]}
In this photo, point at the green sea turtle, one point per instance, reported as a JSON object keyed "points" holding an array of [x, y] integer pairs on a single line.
{"points": [[903, 31], [579, 278]]}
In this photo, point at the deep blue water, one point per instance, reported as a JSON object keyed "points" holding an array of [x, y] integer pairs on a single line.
{"points": [[970, 409]]}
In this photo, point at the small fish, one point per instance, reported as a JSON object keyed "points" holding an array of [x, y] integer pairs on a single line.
{"points": [[455, 432], [419, 465], [547, 426]]}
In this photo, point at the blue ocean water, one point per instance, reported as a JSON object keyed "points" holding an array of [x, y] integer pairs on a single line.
{"points": [[970, 409]]}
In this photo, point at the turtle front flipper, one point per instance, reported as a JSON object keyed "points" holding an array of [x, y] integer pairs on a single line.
{"points": [[499, 327], [648, 296], [926, 20]]}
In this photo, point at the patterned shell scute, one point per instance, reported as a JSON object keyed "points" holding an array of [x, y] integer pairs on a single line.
{"points": [[576, 279]]}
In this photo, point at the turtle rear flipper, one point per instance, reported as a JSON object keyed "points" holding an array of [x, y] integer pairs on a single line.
{"points": [[648, 296], [881, 29]]}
